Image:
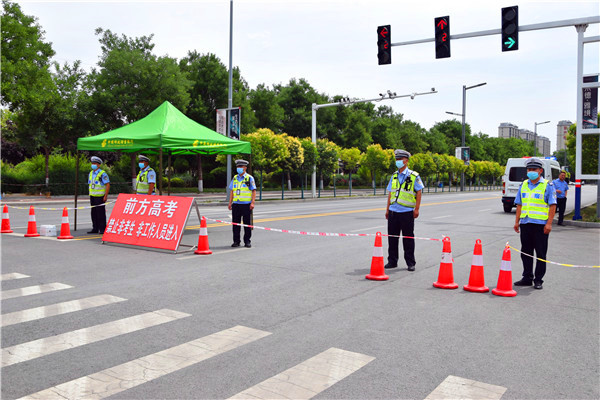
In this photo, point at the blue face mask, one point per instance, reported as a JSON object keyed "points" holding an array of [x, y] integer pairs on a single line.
{"points": [[141, 165], [94, 167], [240, 170], [532, 175], [399, 163]]}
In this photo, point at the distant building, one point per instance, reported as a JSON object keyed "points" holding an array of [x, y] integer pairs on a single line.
{"points": [[562, 128], [507, 130]]}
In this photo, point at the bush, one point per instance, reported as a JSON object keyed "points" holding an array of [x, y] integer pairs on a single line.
{"points": [[177, 182]]}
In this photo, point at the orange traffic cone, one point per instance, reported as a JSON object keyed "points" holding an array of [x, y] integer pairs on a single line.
{"points": [[31, 225], [446, 276], [203, 239], [377, 268], [476, 279], [5, 221], [504, 287], [65, 231]]}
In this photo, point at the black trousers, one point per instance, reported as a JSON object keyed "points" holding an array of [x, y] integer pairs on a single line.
{"points": [[401, 222], [239, 211], [98, 214], [533, 238], [561, 204]]}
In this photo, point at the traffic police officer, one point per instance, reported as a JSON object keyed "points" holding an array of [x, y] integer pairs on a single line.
{"points": [[241, 202], [404, 200], [561, 186], [536, 205], [99, 186], [146, 179]]}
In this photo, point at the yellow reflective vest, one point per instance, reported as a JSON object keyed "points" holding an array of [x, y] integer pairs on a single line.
{"points": [[142, 186], [533, 204], [241, 190], [404, 194], [96, 186]]}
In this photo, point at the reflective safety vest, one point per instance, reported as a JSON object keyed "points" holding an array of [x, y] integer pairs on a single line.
{"points": [[96, 186], [405, 194], [241, 190], [533, 204], [142, 186]]}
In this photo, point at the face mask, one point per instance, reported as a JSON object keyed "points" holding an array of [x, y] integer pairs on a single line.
{"points": [[532, 175], [240, 170], [141, 165], [94, 167], [399, 163]]}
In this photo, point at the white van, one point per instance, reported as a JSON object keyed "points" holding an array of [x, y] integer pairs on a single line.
{"points": [[516, 173]]}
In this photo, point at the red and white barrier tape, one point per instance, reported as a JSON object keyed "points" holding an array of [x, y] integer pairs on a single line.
{"points": [[57, 209], [552, 262]]}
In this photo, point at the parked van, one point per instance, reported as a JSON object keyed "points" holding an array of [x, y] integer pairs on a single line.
{"points": [[516, 173]]}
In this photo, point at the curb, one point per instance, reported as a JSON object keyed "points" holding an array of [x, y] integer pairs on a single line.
{"points": [[582, 224]]}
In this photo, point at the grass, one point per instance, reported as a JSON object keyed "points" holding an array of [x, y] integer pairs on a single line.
{"points": [[588, 214]]}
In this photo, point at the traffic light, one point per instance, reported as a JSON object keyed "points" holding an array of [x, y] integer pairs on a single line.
{"points": [[384, 44], [510, 28], [442, 37]]}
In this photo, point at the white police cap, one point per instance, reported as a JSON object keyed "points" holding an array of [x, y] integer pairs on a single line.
{"points": [[143, 158], [241, 163], [401, 153], [534, 163], [95, 159]]}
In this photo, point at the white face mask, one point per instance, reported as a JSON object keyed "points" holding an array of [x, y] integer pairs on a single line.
{"points": [[399, 163]]}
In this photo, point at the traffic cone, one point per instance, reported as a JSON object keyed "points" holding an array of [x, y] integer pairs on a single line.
{"points": [[476, 279], [446, 276], [504, 287], [5, 221], [377, 269], [203, 239], [31, 225], [65, 231]]}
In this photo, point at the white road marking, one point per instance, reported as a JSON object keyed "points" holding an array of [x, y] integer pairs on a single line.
{"points": [[368, 229], [57, 309], [136, 372], [53, 344], [31, 290], [454, 387], [308, 378], [443, 216], [13, 275], [271, 212], [199, 256]]}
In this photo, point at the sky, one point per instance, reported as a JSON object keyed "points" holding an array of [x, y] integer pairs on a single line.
{"points": [[332, 44]]}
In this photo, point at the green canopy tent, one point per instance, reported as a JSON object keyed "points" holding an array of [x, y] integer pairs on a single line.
{"points": [[166, 129]]}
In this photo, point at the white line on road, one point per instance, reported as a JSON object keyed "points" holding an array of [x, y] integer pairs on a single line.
{"points": [[368, 229], [57, 309], [13, 275], [271, 212], [69, 340], [199, 256], [443, 216], [309, 378], [455, 387], [134, 373], [31, 290]]}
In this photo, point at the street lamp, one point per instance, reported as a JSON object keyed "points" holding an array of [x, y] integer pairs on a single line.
{"points": [[535, 137]]}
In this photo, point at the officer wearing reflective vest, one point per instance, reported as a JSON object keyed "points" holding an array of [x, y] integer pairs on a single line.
{"points": [[99, 186], [242, 192], [146, 179], [404, 200], [536, 205]]}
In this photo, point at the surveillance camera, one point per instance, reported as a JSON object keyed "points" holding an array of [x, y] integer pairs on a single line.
{"points": [[381, 94], [412, 96], [433, 89], [389, 92], [394, 93]]}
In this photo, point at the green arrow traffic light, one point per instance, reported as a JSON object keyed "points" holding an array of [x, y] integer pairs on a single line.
{"points": [[510, 42]]}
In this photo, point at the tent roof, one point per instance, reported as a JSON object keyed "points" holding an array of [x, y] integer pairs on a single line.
{"points": [[168, 128]]}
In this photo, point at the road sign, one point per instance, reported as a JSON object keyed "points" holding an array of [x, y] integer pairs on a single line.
{"points": [[510, 28], [442, 37], [384, 44]]}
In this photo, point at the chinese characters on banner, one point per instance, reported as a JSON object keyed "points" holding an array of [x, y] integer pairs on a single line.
{"points": [[148, 221], [590, 104], [222, 121]]}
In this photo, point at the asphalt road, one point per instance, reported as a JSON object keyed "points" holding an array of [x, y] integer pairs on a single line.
{"points": [[306, 295]]}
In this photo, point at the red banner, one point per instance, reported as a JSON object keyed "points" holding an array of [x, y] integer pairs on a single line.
{"points": [[149, 221]]}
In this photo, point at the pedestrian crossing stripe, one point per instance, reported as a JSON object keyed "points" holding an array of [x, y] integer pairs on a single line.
{"points": [[13, 275], [66, 307], [308, 378], [136, 372], [31, 290], [454, 387], [53, 344]]}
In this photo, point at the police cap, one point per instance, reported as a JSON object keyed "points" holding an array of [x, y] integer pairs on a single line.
{"points": [[143, 158], [401, 153], [534, 163], [95, 159], [241, 163]]}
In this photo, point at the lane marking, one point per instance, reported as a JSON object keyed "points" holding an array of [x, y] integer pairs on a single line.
{"points": [[368, 229], [443, 216], [242, 248], [69, 340], [66, 307], [309, 378], [13, 275], [139, 371], [31, 290], [271, 212], [454, 387]]}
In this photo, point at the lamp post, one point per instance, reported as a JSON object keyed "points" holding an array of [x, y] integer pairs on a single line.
{"points": [[535, 125], [464, 106]]}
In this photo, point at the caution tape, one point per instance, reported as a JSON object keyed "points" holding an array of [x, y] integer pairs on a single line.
{"points": [[552, 262], [306, 233], [57, 209]]}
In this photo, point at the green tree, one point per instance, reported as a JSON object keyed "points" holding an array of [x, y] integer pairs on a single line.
{"points": [[296, 156], [357, 131], [327, 161], [441, 164], [589, 151], [296, 99], [267, 111], [310, 156], [377, 160], [423, 163]]}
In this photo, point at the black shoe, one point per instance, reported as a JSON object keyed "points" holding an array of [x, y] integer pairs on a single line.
{"points": [[388, 266], [523, 282], [236, 244], [93, 231], [247, 245], [538, 286], [411, 268], [561, 224]]}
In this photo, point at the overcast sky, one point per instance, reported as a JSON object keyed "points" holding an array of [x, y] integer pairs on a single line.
{"points": [[332, 44]]}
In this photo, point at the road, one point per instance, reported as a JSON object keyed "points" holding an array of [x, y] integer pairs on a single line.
{"points": [[294, 316]]}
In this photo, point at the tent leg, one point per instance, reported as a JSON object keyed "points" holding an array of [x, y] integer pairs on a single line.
{"points": [[160, 172], [169, 174], [76, 189]]}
